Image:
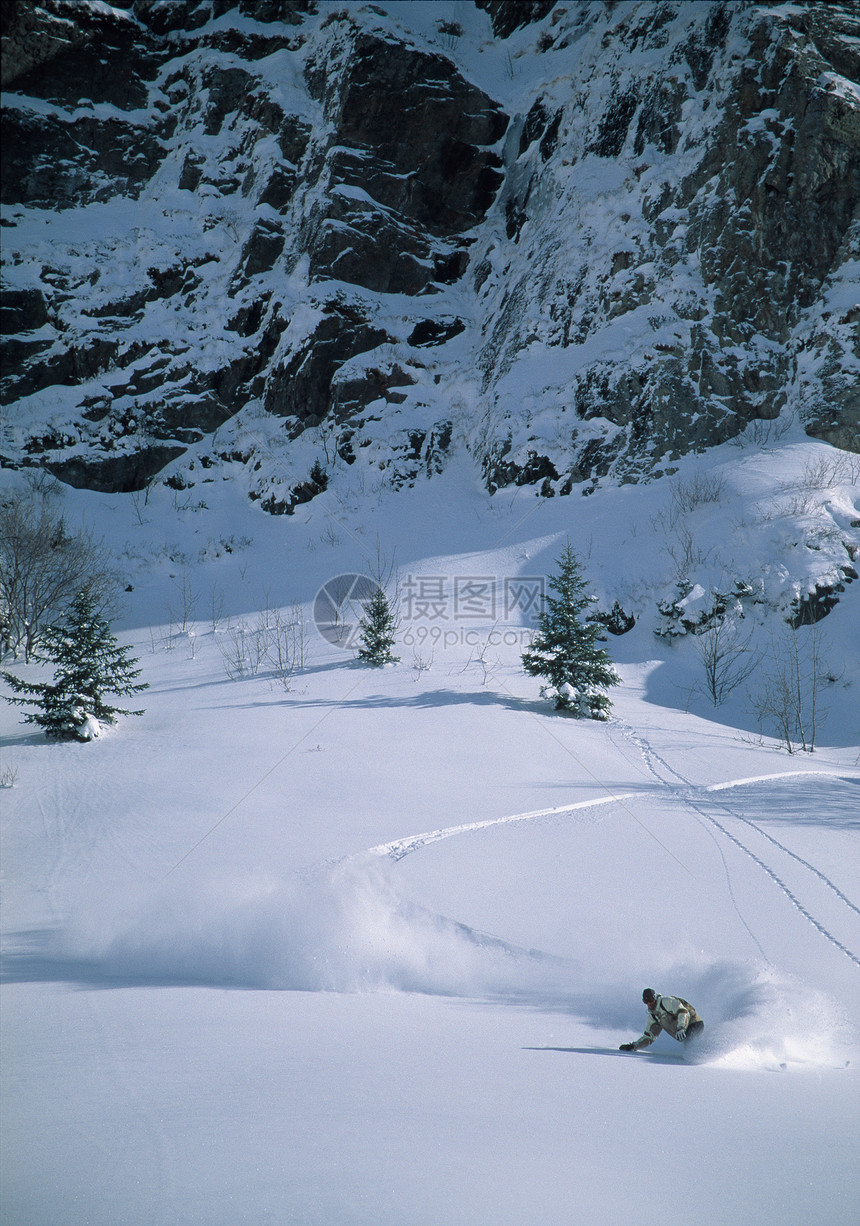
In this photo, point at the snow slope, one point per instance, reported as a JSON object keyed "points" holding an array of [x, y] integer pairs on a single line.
{"points": [[362, 950]]}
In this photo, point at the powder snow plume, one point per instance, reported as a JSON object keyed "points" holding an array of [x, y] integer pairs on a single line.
{"points": [[345, 928]]}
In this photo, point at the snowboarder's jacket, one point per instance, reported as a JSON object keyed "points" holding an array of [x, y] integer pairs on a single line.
{"points": [[669, 1013]]}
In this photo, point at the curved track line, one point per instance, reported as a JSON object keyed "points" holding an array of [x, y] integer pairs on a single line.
{"points": [[399, 848], [686, 795], [739, 783], [825, 880], [732, 812], [778, 880], [649, 754]]}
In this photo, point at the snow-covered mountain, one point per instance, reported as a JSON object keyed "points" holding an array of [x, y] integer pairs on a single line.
{"points": [[574, 240]]}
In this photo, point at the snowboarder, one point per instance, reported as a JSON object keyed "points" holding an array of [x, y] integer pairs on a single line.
{"points": [[670, 1013]]}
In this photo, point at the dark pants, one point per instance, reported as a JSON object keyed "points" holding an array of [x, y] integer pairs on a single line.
{"points": [[695, 1028]]}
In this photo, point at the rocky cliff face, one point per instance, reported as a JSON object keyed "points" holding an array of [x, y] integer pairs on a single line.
{"points": [[576, 239]]}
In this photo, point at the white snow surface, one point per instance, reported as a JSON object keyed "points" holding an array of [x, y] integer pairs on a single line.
{"points": [[361, 952]]}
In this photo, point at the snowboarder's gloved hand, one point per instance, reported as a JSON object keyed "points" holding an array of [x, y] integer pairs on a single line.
{"points": [[681, 1036], [627, 1047]]}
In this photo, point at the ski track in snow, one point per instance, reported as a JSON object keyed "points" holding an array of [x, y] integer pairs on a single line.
{"points": [[398, 848], [720, 787], [686, 791]]}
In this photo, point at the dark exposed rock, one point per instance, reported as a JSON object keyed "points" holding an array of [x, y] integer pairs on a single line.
{"points": [[279, 188], [415, 453], [64, 54], [788, 188], [516, 216], [535, 124], [185, 15], [62, 366], [351, 394], [702, 46], [614, 125], [190, 15], [449, 266], [510, 15], [549, 140], [249, 317], [95, 408], [226, 91], [765, 217], [303, 387], [22, 310], [427, 450], [263, 247], [413, 163], [360, 243], [435, 332], [659, 116], [54, 164], [304, 492], [500, 471], [394, 173], [18, 354], [119, 473], [412, 166], [815, 605], [190, 416]]}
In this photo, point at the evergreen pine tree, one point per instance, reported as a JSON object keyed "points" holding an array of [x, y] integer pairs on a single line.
{"points": [[89, 664], [377, 631], [564, 649]]}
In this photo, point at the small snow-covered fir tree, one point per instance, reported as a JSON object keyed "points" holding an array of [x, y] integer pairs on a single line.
{"points": [[89, 664], [377, 627], [564, 649]]}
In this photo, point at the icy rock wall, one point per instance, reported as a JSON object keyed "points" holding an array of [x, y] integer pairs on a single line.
{"points": [[579, 239], [681, 239]]}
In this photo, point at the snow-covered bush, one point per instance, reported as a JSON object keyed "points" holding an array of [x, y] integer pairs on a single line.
{"points": [[693, 610], [89, 664]]}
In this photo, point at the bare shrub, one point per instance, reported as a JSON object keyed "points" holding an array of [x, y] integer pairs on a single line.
{"points": [[286, 644], [182, 608], [685, 496], [275, 640], [823, 471], [726, 656], [480, 658], [793, 675], [43, 567], [216, 607], [764, 431], [801, 496], [686, 552], [243, 650], [696, 491], [421, 663]]}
